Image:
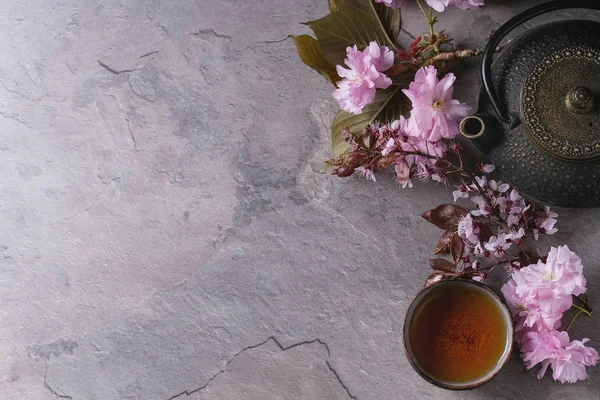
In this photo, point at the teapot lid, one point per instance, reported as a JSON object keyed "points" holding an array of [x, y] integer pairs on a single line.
{"points": [[560, 103]]}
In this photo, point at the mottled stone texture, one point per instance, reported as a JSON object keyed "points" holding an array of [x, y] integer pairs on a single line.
{"points": [[165, 233]]}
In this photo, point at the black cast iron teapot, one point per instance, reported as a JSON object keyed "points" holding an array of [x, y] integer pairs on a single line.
{"points": [[544, 89]]}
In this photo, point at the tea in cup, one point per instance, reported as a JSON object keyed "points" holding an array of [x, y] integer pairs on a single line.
{"points": [[458, 334]]}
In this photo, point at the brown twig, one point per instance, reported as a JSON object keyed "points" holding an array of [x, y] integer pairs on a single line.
{"points": [[451, 55]]}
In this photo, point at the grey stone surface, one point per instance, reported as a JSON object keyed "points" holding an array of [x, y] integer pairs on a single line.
{"points": [[165, 233]]}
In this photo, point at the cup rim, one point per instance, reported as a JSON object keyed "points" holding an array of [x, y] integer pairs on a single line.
{"points": [[458, 387]]}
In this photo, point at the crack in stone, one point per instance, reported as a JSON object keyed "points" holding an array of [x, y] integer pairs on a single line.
{"points": [[186, 57], [282, 348], [149, 54], [15, 92], [114, 71], [47, 386], [159, 25], [410, 35], [14, 117], [135, 146], [334, 372], [125, 71], [211, 32], [165, 172]]}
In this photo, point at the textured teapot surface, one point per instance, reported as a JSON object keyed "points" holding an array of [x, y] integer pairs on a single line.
{"points": [[549, 81]]}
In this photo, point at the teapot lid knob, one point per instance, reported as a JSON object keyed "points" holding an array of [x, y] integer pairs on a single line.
{"points": [[580, 100]]}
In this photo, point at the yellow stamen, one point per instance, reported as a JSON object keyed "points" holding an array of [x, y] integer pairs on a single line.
{"points": [[438, 104]]}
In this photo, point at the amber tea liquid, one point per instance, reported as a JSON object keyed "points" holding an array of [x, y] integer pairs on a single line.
{"points": [[458, 333]]}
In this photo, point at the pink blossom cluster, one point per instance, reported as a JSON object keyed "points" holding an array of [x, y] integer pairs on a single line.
{"points": [[434, 116], [504, 210], [438, 5], [538, 295], [402, 138], [413, 145], [363, 76]]}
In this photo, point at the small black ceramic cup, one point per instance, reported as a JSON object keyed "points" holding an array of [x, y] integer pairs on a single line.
{"points": [[488, 334]]}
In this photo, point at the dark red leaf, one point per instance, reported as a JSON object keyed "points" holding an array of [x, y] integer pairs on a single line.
{"points": [[440, 264], [443, 247], [457, 247], [427, 216], [413, 46], [385, 161], [486, 232], [445, 216]]}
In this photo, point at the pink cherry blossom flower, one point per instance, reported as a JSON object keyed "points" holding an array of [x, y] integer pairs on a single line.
{"points": [[553, 348], [435, 114], [440, 178], [468, 230], [526, 310], [483, 207], [487, 168], [565, 267], [391, 3], [438, 5], [461, 193], [367, 173], [364, 76], [545, 221], [497, 245], [405, 138], [480, 251], [467, 4], [512, 205], [497, 187], [513, 219], [482, 181], [389, 147], [515, 236], [542, 292]]}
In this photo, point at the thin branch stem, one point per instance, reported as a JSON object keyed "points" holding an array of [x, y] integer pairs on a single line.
{"points": [[423, 10], [431, 20], [428, 18], [573, 320], [431, 23], [583, 299], [582, 310]]}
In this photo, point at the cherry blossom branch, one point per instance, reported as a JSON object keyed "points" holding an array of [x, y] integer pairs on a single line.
{"points": [[460, 169]]}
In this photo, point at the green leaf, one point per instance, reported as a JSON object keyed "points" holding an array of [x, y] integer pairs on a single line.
{"points": [[388, 106], [390, 19], [332, 5], [311, 54], [356, 22]]}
